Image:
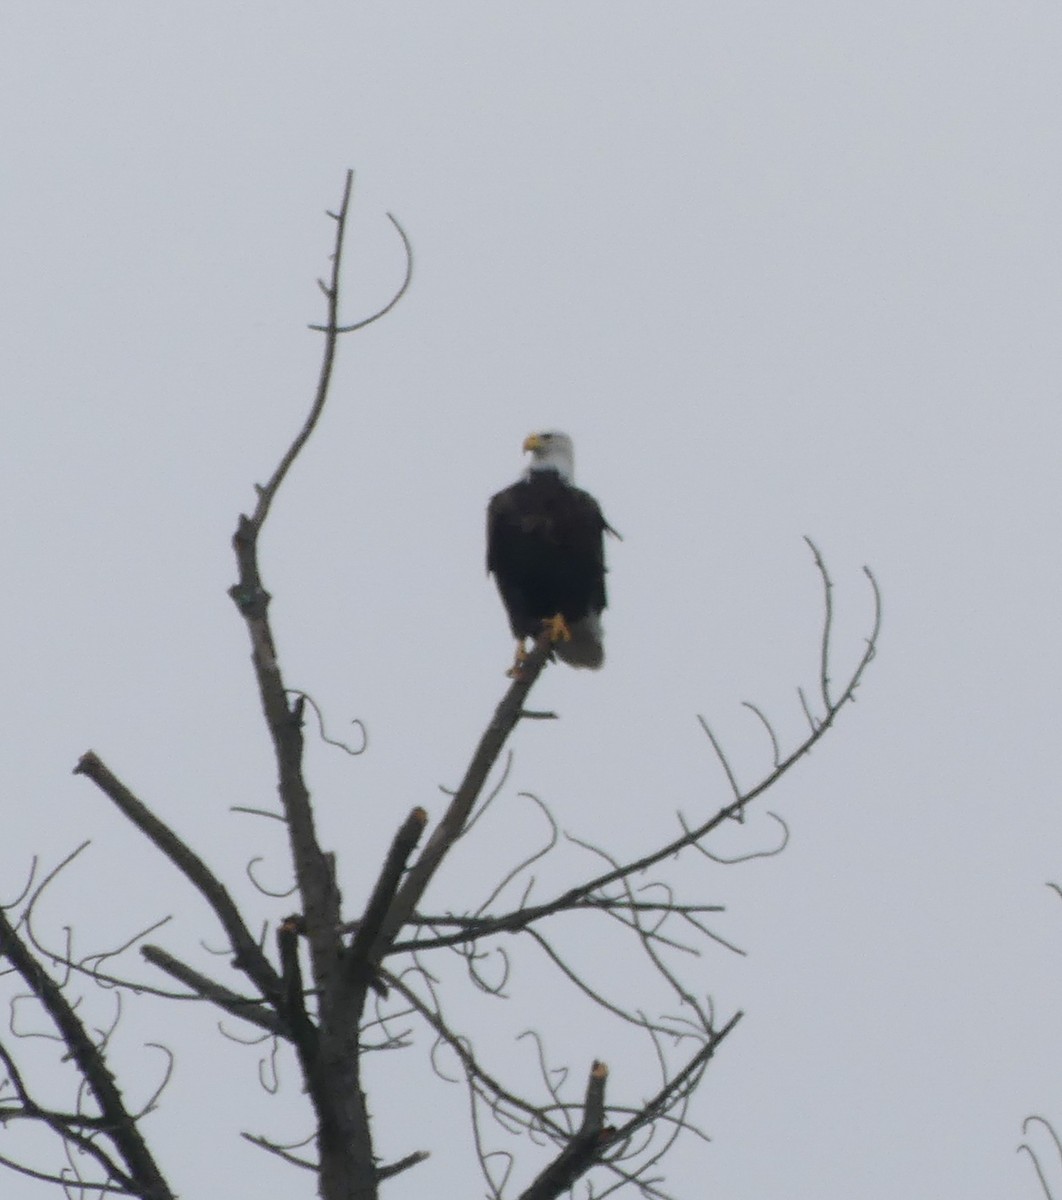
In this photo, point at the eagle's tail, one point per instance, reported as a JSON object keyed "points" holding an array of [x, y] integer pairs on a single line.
{"points": [[585, 648]]}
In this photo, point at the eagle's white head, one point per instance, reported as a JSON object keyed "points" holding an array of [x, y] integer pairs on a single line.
{"points": [[551, 452]]}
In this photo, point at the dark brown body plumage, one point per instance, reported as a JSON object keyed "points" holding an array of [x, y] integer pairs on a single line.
{"points": [[545, 549]]}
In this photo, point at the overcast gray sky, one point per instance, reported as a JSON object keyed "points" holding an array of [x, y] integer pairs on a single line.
{"points": [[780, 270]]}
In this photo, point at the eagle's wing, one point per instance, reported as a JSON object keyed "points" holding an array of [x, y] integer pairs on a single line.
{"points": [[499, 515], [586, 532]]}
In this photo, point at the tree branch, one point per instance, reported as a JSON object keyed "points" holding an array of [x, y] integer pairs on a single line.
{"points": [[506, 717], [304, 1032], [267, 494], [584, 893], [363, 955], [328, 1051], [245, 1007], [280, 1152], [471, 1067], [248, 955], [583, 1150], [142, 1176], [313, 868], [390, 1170]]}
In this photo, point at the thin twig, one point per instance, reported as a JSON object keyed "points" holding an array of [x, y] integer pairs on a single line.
{"points": [[667, 1095], [402, 289], [824, 660], [467, 1059], [247, 1008], [273, 1148]]}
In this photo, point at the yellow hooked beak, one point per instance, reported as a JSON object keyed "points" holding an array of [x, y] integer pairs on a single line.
{"points": [[532, 442]]}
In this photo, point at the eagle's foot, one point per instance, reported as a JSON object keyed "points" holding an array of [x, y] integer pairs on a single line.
{"points": [[557, 628], [516, 671]]}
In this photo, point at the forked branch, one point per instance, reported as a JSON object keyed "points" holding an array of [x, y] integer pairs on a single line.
{"points": [[314, 870], [332, 330], [139, 1174], [327, 1050], [364, 952], [593, 891], [248, 955], [585, 1147], [245, 1007]]}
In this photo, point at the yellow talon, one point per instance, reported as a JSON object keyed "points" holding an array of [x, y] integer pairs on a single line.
{"points": [[558, 628], [516, 671]]}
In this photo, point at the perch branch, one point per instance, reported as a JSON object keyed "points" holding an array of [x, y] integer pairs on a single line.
{"points": [[505, 719]]}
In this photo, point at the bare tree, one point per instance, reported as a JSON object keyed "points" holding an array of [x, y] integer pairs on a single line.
{"points": [[373, 979]]}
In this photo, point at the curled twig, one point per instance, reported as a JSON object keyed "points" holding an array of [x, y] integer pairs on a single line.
{"points": [[273, 895], [726, 861], [99, 959], [1034, 1157], [403, 288], [554, 834], [357, 722], [167, 1075], [776, 753]]}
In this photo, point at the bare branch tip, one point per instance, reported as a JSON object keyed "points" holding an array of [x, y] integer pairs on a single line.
{"points": [[87, 763]]}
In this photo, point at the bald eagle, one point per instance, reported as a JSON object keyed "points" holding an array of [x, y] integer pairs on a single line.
{"points": [[545, 549]]}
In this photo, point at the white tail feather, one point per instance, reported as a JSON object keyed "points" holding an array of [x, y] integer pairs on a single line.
{"points": [[585, 648]]}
